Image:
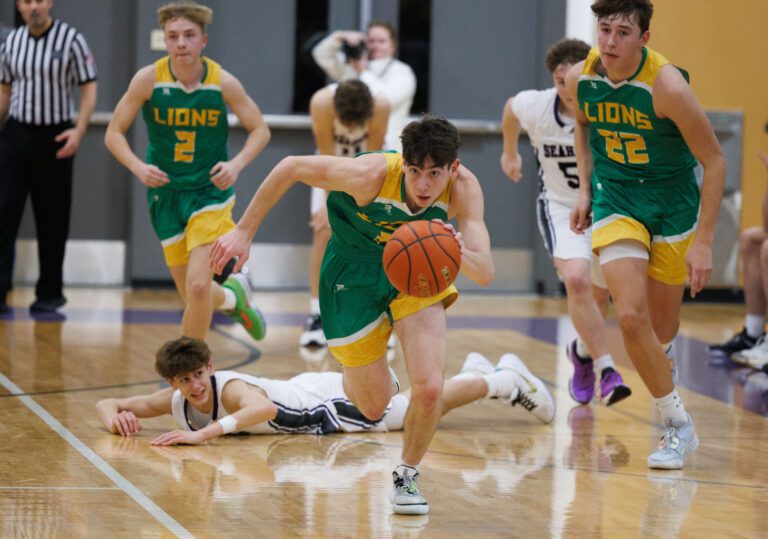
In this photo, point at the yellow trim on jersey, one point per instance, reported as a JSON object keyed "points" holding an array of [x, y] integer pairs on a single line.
{"points": [[203, 228], [654, 61], [667, 258], [391, 188], [164, 76]]}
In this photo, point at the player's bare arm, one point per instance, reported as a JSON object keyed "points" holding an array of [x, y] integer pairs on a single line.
{"points": [[249, 406], [511, 162], [225, 173], [581, 217], [360, 177], [674, 99], [377, 128], [139, 91], [322, 112], [468, 207], [121, 416]]}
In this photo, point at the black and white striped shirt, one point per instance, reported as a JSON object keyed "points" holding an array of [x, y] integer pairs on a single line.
{"points": [[43, 72]]}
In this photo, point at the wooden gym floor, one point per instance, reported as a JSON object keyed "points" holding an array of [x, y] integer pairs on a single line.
{"points": [[492, 470]]}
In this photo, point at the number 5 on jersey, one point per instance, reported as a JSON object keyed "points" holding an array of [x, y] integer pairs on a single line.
{"points": [[184, 150]]}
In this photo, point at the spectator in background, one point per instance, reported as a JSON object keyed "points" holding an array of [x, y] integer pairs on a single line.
{"points": [[39, 141], [347, 54], [346, 120], [749, 346]]}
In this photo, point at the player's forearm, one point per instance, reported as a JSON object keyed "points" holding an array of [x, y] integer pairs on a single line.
{"points": [[118, 146], [583, 158], [711, 197], [272, 189], [256, 142], [5, 101], [478, 266], [326, 54]]}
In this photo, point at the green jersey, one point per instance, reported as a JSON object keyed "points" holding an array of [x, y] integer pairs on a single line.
{"points": [[365, 230], [187, 129], [628, 140]]}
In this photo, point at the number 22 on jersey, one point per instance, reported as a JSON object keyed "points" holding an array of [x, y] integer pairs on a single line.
{"points": [[625, 147]]}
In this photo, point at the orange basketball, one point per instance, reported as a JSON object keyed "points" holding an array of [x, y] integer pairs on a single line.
{"points": [[422, 259]]}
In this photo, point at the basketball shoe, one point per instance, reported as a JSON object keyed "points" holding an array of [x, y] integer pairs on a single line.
{"points": [[395, 381], [754, 357], [476, 365], [612, 387], [740, 341], [581, 386], [313, 332], [245, 313], [678, 439], [405, 496], [530, 392]]}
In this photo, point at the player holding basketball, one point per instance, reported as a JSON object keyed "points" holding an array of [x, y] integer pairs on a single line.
{"points": [[645, 129], [371, 195], [547, 116], [346, 120], [205, 403], [184, 98]]}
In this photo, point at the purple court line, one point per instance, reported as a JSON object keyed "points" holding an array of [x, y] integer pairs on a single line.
{"points": [[714, 377]]}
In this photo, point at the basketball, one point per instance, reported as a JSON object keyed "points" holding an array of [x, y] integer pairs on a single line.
{"points": [[422, 258]]}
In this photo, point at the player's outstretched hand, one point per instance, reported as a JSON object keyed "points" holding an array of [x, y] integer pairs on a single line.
{"points": [[176, 437], [699, 264], [456, 234], [234, 243], [224, 174], [126, 424]]}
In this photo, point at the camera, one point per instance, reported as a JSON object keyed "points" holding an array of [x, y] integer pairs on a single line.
{"points": [[353, 52]]}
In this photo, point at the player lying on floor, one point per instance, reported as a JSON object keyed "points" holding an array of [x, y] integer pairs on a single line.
{"points": [[207, 404]]}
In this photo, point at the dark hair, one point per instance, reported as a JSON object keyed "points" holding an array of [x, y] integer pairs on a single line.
{"points": [[430, 137], [387, 26], [566, 51], [637, 11], [181, 356], [353, 102]]}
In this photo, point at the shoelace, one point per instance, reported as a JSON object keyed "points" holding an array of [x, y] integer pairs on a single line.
{"points": [[525, 401], [665, 442], [407, 483]]}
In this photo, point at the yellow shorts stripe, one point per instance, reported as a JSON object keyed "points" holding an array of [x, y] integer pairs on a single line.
{"points": [[667, 255], [370, 343], [204, 227]]}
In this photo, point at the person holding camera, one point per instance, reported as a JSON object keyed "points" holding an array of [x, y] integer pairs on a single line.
{"points": [[347, 54]]}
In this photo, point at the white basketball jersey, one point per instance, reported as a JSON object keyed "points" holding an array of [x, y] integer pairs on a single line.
{"points": [[551, 135], [311, 402], [348, 142]]}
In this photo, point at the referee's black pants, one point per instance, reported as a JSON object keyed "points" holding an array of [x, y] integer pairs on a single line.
{"points": [[28, 166]]}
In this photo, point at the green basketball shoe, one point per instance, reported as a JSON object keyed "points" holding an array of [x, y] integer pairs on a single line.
{"points": [[245, 313]]}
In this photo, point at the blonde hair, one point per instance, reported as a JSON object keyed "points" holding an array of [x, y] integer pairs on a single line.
{"points": [[197, 13]]}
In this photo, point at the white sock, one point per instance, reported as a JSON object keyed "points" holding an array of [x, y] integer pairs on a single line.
{"points": [[671, 408], [498, 387], [230, 300], [395, 416], [314, 306], [581, 349], [403, 468], [466, 375], [602, 363], [755, 325]]}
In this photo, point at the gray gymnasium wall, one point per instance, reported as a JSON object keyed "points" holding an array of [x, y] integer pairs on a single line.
{"points": [[481, 53]]}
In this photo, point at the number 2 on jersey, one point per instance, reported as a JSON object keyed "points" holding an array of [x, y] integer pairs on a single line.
{"points": [[631, 145], [184, 150]]}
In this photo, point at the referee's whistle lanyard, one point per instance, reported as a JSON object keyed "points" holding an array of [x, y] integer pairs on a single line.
{"points": [[215, 415]]}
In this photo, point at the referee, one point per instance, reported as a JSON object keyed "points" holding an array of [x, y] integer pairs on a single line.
{"points": [[40, 64]]}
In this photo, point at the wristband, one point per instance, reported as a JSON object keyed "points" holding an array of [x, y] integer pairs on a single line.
{"points": [[228, 424]]}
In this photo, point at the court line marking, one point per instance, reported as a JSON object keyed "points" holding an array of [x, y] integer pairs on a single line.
{"points": [[51, 487], [113, 475]]}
